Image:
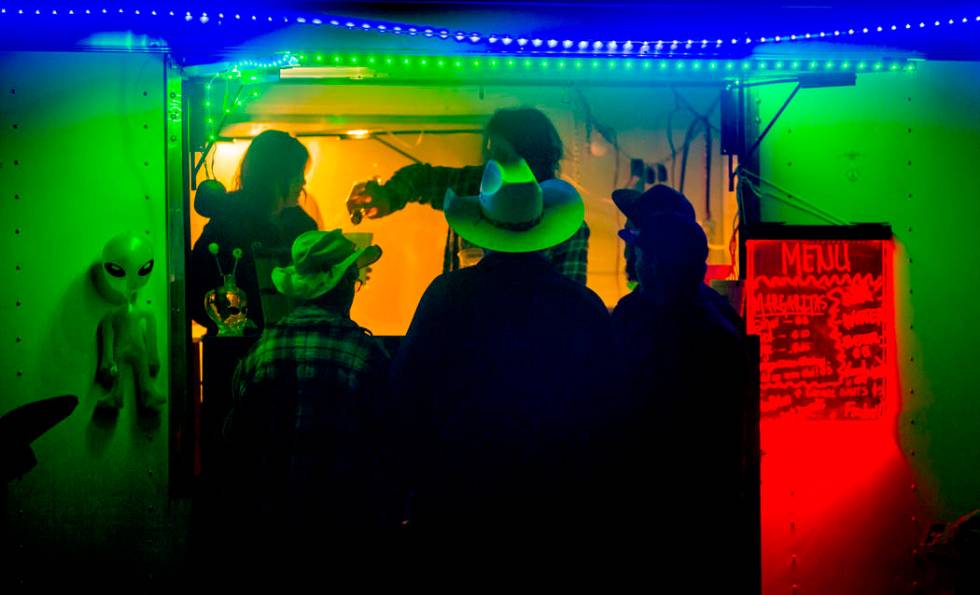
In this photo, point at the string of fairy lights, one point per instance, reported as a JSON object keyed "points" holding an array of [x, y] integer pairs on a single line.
{"points": [[250, 76], [507, 42]]}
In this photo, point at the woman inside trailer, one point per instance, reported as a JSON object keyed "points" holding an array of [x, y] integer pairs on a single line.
{"points": [[262, 211]]}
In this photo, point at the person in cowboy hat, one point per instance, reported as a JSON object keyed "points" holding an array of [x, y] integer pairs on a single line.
{"points": [[640, 208], [510, 134], [309, 400], [503, 366]]}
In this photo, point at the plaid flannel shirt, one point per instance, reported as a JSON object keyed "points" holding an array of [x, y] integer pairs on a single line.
{"points": [[427, 184], [313, 373]]}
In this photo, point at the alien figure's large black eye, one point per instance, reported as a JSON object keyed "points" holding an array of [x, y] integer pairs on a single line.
{"points": [[145, 269], [114, 269]]}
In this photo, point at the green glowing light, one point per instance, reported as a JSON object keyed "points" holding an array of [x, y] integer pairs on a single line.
{"points": [[510, 63], [729, 65], [862, 65], [845, 65], [336, 59], [578, 64], [712, 65], [424, 62], [476, 63], [406, 61], [561, 64], [746, 65], [894, 66], [647, 65], [628, 64], [795, 65], [679, 65], [663, 65], [318, 57], [207, 104], [762, 65], [457, 64], [595, 64], [388, 60], [829, 64], [877, 65], [493, 63], [779, 65], [354, 59], [371, 60], [813, 64], [528, 63]]}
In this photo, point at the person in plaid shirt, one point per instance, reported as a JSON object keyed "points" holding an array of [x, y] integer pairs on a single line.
{"points": [[511, 134], [306, 427]]}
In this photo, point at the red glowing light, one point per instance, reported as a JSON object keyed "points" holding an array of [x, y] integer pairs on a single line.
{"points": [[819, 307]]}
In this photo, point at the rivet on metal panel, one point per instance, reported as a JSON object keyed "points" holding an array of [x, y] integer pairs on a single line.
{"points": [[914, 487], [147, 197], [145, 93], [147, 164], [17, 231], [146, 126], [13, 91], [20, 372], [18, 303], [16, 197], [19, 339], [16, 126]]}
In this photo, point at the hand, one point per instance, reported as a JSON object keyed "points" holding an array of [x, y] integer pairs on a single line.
{"points": [[107, 373], [369, 198]]}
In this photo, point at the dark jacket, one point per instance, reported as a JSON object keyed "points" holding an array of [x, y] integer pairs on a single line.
{"points": [[234, 225], [501, 377], [685, 369]]}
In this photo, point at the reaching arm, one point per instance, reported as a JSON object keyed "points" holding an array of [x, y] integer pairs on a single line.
{"points": [[420, 182]]}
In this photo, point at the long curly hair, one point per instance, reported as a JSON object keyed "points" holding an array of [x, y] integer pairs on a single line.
{"points": [[273, 161], [533, 137]]}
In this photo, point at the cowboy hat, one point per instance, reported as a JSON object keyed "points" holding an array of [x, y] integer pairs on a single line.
{"points": [[513, 212], [320, 259]]}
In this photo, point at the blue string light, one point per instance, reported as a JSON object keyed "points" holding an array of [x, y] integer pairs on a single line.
{"points": [[513, 42]]}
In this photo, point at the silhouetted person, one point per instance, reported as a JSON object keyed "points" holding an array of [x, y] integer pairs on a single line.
{"points": [[263, 209], [685, 369], [640, 208], [502, 369], [307, 431], [511, 133]]}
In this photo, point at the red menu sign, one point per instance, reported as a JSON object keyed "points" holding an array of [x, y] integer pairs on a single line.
{"points": [[819, 308]]}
